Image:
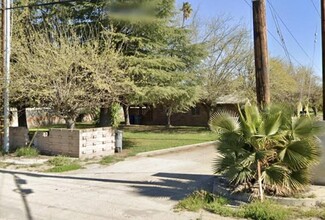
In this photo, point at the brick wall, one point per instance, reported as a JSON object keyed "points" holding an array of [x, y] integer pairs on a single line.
{"points": [[85, 143], [18, 137]]}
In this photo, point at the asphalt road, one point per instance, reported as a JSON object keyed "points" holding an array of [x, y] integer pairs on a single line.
{"points": [[137, 188]]}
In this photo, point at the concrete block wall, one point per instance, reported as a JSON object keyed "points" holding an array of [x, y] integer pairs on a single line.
{"points": [[84, 143], [18, 137], [318, 176]]}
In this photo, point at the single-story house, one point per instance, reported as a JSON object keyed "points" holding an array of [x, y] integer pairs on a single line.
{"points": [[196, 116]]}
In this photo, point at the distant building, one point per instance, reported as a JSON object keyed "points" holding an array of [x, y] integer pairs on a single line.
{"points": [[196, 116]]}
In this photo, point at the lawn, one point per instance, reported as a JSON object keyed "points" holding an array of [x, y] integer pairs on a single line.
{"points": [[138, 139]]}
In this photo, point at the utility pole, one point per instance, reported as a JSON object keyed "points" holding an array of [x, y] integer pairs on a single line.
{"points": [[261, 53], [323, 51], [6, 69]]}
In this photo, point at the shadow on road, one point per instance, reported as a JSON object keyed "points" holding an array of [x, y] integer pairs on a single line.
{"points": [[23, 193], [174, 186]]}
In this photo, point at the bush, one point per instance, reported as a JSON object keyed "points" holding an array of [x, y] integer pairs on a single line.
{"points": [[281, 146], [65, 168], [266, 210], [199, 199], [63, 164], [59, 161], [27, 152]]}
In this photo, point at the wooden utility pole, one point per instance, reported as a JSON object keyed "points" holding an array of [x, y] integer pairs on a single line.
{"points": [[261, 53], [323, 51]]}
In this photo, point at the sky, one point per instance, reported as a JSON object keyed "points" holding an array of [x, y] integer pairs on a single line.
{"points": [[300, 17]]}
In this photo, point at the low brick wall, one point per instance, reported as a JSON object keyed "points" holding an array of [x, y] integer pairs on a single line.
{"points": [[18, 137], [85, 143]]}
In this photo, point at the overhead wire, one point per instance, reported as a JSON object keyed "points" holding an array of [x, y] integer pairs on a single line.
{"points": [[276, 40], [44, 4], [277, 25], [313, 3]]}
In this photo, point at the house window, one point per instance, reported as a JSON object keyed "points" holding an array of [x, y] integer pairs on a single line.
{"points": [[195, 110]]}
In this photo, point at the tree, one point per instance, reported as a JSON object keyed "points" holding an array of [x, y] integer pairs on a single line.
{"points": [[65, 73], [153, 51], [187, 11], [157, 56], [228, 64], [270, 149], [283, 85]]}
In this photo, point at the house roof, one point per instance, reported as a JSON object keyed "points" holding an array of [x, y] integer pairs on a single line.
{"points": [[231, 99]]}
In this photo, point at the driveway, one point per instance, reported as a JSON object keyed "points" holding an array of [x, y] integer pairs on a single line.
{"points": [[137, 188]]}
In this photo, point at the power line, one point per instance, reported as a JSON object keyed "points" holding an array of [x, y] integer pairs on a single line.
{"points": [[277, 25], [275, 39], [312, 1], [44, 4], [289, 31]]}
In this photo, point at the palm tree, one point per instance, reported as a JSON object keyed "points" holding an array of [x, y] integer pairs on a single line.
{"points": [[187, 11], [270, 149]]}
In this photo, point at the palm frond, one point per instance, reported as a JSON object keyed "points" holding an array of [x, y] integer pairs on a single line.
{"points": [[271, 124], [276, 175], [224, 122], [298, 181], [299, 155], [230, 142], [302, 127]]}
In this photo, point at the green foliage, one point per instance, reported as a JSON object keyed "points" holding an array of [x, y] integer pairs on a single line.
{"points": [[199, 199], [62, 164], [266, 210], [285, 146], [110, 159], [64, 168], [59, 161], [27, 152], [116, 115], [82, 75], [150, 138]]}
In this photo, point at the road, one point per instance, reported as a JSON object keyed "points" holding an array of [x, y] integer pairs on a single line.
{"points": [[137, 188]]}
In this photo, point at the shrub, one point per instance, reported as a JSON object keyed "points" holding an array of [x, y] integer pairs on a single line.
{"points": [[266, 210], [59, 161], [199, 199], [65, 168], [63, 164], [27, 152], [283, 148]]}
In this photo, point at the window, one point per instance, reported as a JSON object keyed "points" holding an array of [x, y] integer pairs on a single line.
{"points": [[195, 110]]}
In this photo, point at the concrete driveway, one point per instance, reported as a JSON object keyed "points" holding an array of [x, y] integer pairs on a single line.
{"points": [[138, 188]]}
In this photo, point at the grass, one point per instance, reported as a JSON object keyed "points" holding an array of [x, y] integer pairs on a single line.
{"points": [[110, 159], [27, 152], [137, 139], [62, 164], [267, 210]]}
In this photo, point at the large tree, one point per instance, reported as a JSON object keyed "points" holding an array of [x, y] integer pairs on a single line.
{"points": [[229, 61], [59, 70], [159, 57]]}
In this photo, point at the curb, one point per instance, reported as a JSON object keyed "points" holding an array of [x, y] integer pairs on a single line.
{"points": [[220, 188], [176, 149]]}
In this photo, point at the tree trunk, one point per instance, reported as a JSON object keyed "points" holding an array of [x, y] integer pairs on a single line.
{"points": [[126, 114], [22, 118], [260, 184], [105, 117], [70, 123], [169, 115], [209, 111]]}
